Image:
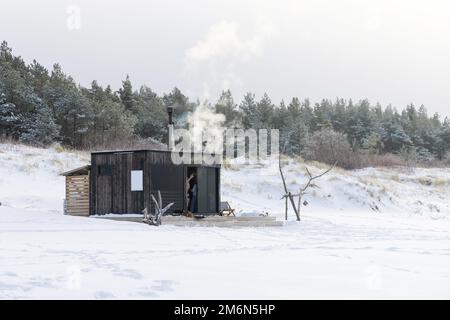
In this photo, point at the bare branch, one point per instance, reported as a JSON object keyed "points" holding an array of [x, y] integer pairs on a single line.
{"points": [[288, 195], [324, 173], [309, 172], [308, 184], [312, 178]]}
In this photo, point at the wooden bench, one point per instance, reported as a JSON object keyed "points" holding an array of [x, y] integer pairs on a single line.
{"points": [[226, 210]]}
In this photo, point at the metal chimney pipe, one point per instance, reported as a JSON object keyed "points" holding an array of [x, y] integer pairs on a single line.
{"points": [[170, 112], [170, 143]]}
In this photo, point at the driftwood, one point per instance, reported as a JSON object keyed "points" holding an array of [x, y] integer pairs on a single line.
{"points": [[289, 196], [155, 219], [287, 193]]}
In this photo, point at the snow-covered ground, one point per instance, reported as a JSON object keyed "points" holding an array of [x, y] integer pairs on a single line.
{"points": [[373, 233]]}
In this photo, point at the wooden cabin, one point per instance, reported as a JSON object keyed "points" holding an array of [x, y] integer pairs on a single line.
{"points": [[122, 182]]}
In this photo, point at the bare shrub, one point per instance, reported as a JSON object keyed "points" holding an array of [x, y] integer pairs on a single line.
{"points": [[329, 146], [8, 140], [375, 160]]}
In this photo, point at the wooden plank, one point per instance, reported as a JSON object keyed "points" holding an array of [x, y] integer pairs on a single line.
{"points": [[77, 186], [80, 210], [80, 182], [77, 208], [216, 221], [78, 205], [80, 214]]}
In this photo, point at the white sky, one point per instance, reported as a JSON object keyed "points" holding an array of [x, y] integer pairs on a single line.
{"points": [[385, 50]]}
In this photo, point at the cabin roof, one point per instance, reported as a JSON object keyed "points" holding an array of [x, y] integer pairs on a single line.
{"points": [[140, 150], [128, 150], [78, 171], [215, 165]]}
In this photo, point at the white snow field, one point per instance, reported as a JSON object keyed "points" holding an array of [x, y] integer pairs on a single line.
{"points": [[374, 233]]}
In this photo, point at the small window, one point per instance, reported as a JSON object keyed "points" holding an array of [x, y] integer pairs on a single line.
{"points": [[104, 170], [137, 180]]}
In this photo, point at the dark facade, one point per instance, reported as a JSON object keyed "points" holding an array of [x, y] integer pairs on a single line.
{"points": [[123, 182]]}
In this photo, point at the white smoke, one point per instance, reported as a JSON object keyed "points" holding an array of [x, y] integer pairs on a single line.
{"points": [[206, 129], [212, 64]]}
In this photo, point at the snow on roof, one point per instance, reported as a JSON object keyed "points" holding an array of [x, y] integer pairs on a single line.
{"points": [[78, 171]]}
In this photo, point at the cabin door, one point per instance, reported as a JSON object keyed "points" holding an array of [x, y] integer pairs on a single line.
{"points": [[103, 189], [207, 195]]}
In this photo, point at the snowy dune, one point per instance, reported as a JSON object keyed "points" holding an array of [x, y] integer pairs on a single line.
{"points": [[373, 233]]}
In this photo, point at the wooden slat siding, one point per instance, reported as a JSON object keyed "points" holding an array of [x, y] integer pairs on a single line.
{"points": [[104, 185], [77, 195], [108, 189], [126, 176], [137, 197], [185, 203], [148, 181], [117, 184], [77, 210], [218, 189], [119, 162], [93, 185]]}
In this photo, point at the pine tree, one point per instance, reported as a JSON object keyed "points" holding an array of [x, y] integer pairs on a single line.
{"points": [[126, 94], [70, 108], [226, 106], [10, 120], [248, 109], [295, 132], [263, 119], [39, 78], [151, 115], [39, 127]]}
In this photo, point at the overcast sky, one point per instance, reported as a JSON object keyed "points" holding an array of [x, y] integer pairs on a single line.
{"points": [[388, 51]]}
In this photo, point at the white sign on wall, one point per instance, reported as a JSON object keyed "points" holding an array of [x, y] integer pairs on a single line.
{"points": [[137, 180]]}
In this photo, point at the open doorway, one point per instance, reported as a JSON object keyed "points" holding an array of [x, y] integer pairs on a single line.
{"points": [[192, 190], [202, 190]]}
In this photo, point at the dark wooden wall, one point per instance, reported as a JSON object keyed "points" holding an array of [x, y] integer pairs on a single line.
{"points": [[112, 193]]}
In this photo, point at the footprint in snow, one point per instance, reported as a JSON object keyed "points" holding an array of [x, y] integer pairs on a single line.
{"points": [[163, 285], [129, 273], [146, 292], [103, 295]]}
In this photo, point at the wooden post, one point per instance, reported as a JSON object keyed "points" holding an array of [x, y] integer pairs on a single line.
{"points": [[286, 209]]}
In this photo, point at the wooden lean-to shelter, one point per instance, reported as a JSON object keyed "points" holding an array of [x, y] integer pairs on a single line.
{"points": [[77, 191]]}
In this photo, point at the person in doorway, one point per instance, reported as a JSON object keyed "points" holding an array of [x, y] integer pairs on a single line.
{"points": [[193, 204], [189, 192]]}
